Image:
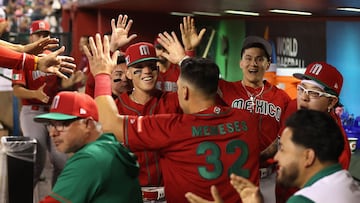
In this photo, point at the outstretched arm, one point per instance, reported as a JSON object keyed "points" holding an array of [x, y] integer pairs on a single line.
{"points": [[120, 32], [51, 63], [101, 66], [35, 48], [190, 38]]}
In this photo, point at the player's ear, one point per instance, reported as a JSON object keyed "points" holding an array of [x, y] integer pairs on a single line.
{"points": [[332, 102], [185, 92]]}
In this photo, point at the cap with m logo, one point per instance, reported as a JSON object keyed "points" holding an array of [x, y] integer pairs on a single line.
{"points": [[39, 26], [70, 105], [140, 52], [325, 74]]}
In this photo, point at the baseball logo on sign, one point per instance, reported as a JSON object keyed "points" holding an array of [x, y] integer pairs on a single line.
{"points": [[316, 69], [144, 50]]}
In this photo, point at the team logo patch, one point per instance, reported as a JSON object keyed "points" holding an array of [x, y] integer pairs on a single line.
{"points": [[82, 111], [16, 76], [132, 121]]}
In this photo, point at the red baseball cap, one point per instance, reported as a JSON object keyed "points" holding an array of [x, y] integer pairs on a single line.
{"points": [[140, 52], [325, 74], [39, 26], [70, 105]]}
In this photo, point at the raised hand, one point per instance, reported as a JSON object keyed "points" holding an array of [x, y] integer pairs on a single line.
{"points": [[99, 56], [40, 45], [53, 63], [40, 94], [173, 46], [190, 38], [192, 198], [248, 192], [120, 32]]}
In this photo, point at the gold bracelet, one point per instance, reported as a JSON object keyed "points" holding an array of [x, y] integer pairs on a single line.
{"points": [[36, 60]]}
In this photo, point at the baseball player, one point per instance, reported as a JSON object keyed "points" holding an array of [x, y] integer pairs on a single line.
{"points": [[119, 81], [259, 97], [253, 94], [36, 90], [145, 99], [319, 90], [199, 148], [169, 72], [308, 159]]}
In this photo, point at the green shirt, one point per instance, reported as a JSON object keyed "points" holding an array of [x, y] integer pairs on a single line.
{"points": [[101, 171]]}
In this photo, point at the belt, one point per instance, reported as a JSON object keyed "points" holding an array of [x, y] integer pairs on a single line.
{"points": [[265, 172], [38, 107], [153, 193]]}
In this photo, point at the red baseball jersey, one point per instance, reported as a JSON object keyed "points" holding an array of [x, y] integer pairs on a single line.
{"points": [[269, 106], [199, 150], [15, 60], [90, 83], [150, 172], [33, 80], [167, 80]]}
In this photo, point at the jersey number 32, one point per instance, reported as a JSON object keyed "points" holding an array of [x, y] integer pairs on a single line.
{"points": [[214, 159]]}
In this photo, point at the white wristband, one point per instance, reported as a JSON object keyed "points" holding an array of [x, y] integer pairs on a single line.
{"points": [[185, 57]]}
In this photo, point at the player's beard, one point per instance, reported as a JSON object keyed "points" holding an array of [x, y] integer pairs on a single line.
{"points": [[287, 176]]}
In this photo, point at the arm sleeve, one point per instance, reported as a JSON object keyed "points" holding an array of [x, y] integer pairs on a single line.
{"points": [[90, 84], [190, 53], [15, 60]]}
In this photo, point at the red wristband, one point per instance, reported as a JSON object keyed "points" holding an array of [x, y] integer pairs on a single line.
{"points": [[102, 85], [190, 53]]}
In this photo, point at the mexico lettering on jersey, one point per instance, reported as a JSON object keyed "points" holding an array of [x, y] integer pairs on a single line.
{"points": [[150, 173], [268, 107], [199, 150], [33, 80], [330, 185], [167, 80]]}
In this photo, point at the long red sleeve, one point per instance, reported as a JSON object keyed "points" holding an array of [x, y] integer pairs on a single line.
{"points": [[15, 60]]}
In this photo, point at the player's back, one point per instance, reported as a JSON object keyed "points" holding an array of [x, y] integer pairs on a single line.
{"points": [[200, 150]]}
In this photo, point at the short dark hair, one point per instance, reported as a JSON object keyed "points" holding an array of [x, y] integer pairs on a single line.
{"points": [[255, 45], [318, 131], [202, 73], [121, 59]]}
